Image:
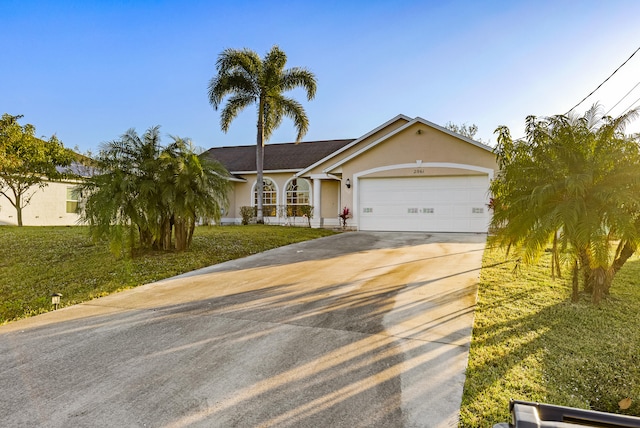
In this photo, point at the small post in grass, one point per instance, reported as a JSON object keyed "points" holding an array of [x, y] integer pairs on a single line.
{"points": [[55, 300]]}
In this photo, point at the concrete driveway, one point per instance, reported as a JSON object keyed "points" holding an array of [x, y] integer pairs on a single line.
{"points": [[353, 330]]}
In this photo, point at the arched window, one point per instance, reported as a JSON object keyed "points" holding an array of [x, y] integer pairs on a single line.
{"points": [[269, 197], [297, 194]]}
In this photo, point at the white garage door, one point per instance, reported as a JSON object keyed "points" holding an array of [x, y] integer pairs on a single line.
{"points": [[429, 204]]}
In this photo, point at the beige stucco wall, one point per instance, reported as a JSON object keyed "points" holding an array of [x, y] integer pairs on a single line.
{"points": [[420, 143], [389, 128], [48, 207], [417, 145], [241, 195], [330, 195]]}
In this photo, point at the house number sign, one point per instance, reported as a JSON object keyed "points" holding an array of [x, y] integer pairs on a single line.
{"points": [[418, 171]]}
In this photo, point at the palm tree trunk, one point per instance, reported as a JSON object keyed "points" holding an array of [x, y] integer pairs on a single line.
{"points": [[623, 255], [598, 280], [575, 289], [260, 161], [555, 259], [180, 234], [553, 266], [192, 227], [585, 265]]}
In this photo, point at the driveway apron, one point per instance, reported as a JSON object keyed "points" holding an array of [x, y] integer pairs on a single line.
{"points": [[354, 330]]}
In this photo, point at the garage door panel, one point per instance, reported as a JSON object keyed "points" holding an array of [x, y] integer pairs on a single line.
{"points": [[436, 204]]}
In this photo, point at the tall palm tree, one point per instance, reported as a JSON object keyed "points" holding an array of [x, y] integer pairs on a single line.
{"points": [[247, 79]]}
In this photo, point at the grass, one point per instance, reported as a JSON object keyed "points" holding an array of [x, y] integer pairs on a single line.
{"points": [[36, 261], [531, 343]]}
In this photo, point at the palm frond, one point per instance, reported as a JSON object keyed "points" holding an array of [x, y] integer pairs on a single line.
{"points": [[298, 77], [234, 106]]}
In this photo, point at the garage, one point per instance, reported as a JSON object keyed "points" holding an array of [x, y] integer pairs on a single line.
{"points": [[428, 204]]}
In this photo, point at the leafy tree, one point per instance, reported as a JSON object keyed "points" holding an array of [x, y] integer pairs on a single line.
{"points": [[247, 79], [27, 162], [149, 192], [468, 131], [573, 182]]}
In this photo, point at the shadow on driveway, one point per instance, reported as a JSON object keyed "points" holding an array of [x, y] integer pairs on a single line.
{"points": [[375, 337]]}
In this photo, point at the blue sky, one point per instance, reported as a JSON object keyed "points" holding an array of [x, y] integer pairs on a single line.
{"points": [[89, 70]]}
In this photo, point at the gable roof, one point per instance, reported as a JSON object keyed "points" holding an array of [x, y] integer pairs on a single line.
{"points": [[385, 137], [303, 157], [283, 156], [354, 142]]}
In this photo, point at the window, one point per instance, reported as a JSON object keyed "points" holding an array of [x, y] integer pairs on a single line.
{"points": [[297, 195], [269, 198], [72, 200]]}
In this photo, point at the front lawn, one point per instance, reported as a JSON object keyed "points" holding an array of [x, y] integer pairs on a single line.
{"points": [[530, 343], [37, 261]]}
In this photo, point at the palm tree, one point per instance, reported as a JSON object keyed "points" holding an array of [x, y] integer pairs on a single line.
{"points": [[149, 191], [192, 187], [247, 79], [124, 199], [572, 180]]}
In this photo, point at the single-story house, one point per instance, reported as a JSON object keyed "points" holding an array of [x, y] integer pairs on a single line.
{"points": [[56, 204], [408, 174]]}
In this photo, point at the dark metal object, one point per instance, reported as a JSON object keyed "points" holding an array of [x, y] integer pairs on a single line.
{"points": [[526, 414]]}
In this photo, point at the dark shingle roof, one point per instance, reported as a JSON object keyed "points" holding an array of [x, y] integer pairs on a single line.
{"points": [[276, 156]]}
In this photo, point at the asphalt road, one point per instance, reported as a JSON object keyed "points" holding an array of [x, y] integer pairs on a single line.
{"points": [[354, 330]]}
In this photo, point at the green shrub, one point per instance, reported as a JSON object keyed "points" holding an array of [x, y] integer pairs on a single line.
{"points": [[306, 211], [248, 214]]}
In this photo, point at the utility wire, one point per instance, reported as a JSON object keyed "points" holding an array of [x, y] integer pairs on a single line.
{"points": [[621, 99], [629, 108], [605, 81]]}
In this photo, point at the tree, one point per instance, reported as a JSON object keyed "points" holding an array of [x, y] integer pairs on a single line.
{"points": [[247, 79], [574, 183], [465, 130], [150, 192], [27, 162]]}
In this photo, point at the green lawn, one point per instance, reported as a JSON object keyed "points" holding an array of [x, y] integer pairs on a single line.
{"points": [[531, 343], [36, 261]]}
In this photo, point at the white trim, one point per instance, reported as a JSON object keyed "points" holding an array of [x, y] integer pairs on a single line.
{"points": [[270, 171], [316, 220], [323, 176], [490, 172], [236, 179], [455, 134], [354, 142], [356, 177], [397, 131]]}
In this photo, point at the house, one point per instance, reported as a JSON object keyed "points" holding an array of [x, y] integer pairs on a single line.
{"points": [[408, 174], [56, 204]]}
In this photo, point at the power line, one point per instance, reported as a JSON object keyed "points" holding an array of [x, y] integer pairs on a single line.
{"points": [[629, 108], [605, 81], [621, 99]]}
